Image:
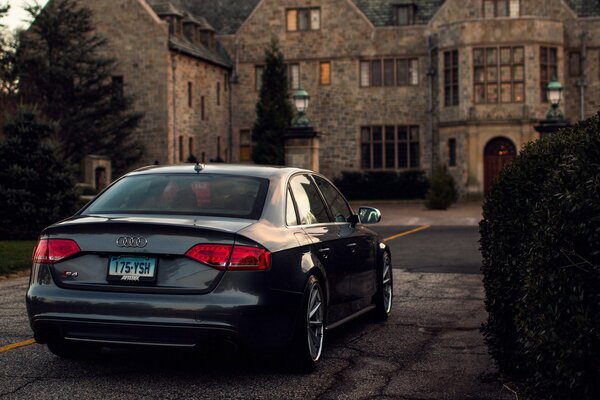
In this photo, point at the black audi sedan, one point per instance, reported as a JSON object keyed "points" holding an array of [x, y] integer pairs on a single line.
{"points": [[185, 255]]}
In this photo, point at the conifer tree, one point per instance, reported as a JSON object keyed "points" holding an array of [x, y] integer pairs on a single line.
{"points": [[273, 110], [62, 70], [37, 186]]}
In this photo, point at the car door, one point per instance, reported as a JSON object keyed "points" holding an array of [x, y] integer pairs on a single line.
{"points": [[357, 247], [316, 221]]}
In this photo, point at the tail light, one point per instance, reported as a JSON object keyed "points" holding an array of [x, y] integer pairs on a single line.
{"points": [[238, 258], [50, 251]]}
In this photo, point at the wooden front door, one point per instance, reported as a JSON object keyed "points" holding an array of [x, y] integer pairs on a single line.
{"points": [[498, 153]]}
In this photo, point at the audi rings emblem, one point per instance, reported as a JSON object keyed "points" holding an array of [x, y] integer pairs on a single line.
{"points": [[131, 241]]}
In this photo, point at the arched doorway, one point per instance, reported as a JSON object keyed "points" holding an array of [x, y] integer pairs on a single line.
{"points": [[498, 152]]}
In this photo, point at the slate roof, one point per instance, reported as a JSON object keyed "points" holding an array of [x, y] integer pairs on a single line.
{"points": [[226, 16], [217, 56]]}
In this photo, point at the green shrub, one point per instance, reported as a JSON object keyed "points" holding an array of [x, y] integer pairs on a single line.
{"points": [[540, 241], [37, 187], [442, 191], [383, 185]]}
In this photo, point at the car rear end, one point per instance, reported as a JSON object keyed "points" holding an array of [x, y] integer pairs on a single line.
{"points": [[168, 270]]}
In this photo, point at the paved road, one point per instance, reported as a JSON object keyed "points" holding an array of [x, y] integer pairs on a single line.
{"points": [[429, 349]]}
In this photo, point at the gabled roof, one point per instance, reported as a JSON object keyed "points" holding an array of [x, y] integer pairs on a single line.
{"points": [[218, 56], [380, 12], [164, 7], [226, 16]]}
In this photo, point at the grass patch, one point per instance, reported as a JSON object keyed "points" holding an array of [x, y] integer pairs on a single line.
{"points": [[15, 255]]}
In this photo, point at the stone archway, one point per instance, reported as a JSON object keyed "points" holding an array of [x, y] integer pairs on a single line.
{"points": [[497, 153]]}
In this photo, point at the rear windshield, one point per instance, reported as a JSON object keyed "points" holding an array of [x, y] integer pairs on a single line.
{"points": [[202, 194]]}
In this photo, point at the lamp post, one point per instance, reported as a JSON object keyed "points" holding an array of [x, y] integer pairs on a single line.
{"points": [[301, 100], [555, 118], [301, 140]]}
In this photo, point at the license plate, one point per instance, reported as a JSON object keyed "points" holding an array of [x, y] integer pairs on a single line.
{"points": [[132, 269]]}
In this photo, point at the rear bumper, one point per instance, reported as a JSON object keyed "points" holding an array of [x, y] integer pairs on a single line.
{"points": [[242, 309]]}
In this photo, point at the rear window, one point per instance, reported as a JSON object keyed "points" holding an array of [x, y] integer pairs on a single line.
{"points": [[202, 194]]}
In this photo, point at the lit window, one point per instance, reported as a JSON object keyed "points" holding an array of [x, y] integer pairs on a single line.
{"points": [[245, 145], [303, 19], [325, 73]]}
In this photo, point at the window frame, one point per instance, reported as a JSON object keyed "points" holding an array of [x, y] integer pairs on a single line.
{"points": [[244, 132], [321, 81], [412, 137], [302, 10], [486, 66], [410, 10], [258, 80], [376, 68], [290, 76], [452, 152], [547, 66], [327, 203], [579, 71], [297, 208], [452, 86], [509, 3]]}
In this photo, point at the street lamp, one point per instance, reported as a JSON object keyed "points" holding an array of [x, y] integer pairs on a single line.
{"points": [[555, 118], [301, 100], [554, 92]]}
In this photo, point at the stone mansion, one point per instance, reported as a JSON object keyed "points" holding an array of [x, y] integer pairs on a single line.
{"points": [[394, 84]]}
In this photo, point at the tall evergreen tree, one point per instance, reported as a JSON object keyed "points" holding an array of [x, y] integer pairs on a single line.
{"points": [[62, 70], [273, 111], [37, 186]]}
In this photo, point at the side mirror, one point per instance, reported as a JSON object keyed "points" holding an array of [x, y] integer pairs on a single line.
{"points": [[369, 215]]}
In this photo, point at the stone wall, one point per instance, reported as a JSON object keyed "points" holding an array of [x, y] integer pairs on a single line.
{"points": [[208, 133], [138, 40], [339, 110]]}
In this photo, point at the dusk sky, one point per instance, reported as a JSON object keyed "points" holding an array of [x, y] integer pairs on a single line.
{"points": [[17, 16]]}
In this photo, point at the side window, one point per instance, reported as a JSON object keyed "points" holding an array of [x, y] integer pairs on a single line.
{"points": [[311, 209], [340, 209], [290, 210]]}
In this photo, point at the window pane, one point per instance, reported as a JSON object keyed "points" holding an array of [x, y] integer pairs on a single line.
{"points": [[506, 95], [402, 155], [292, 20], [259, 76], [402, 133], [325, 73], [479, 94], [491, 56], [492, 74], [402, 15], [390, 154], [480, 75], [478, 57], [515, 7], [290, 211], [303, 20], [365, 73], [552, 55], [388, 73], [414, 155], [505, 75], [502, 8], [310, 206], [389, 133], [488, 9], [294, 76], [414, 72], [338, 205], [553, 70], [544, 55], [519, 92], [452, 152], [315, 19], [377, 155], [518, 55], [518, 73], [492, 93], [377, 134], [366, 155], [376, 73], [505, 55], [365, 135], [414, 133], [402, 72]]}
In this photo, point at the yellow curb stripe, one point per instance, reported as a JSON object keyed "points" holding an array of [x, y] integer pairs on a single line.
{"points": [[17, 345], [415, 230]]}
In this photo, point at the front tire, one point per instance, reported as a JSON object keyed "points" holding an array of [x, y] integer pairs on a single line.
{"points": [[385, 289], [307, 345]]}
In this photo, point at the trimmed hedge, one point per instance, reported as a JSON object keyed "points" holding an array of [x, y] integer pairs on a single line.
{"points": [[442, 192], [540, 241], [383, 185]]}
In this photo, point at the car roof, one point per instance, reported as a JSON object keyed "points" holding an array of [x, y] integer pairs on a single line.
{"points": [[260, 171]]}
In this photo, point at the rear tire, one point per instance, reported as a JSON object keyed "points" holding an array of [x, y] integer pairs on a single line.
{"points": [[72, 351], [307, 345], [385, 290]]}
